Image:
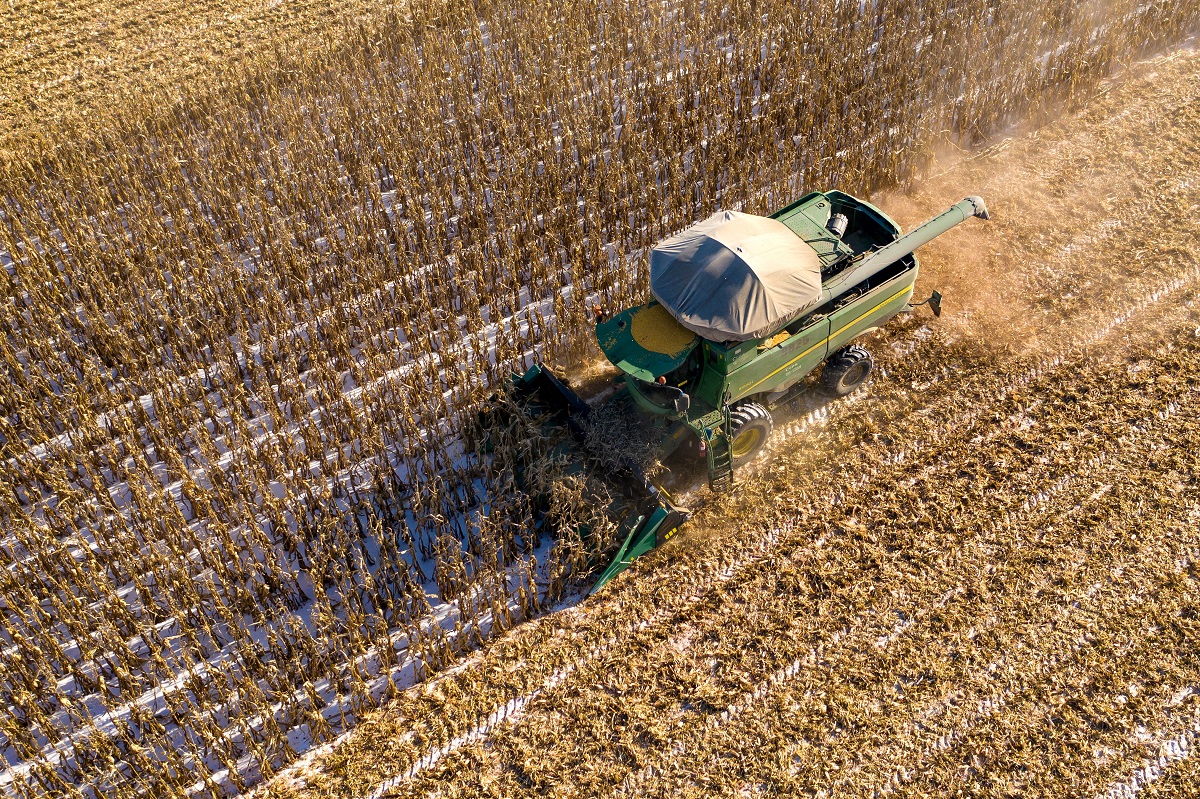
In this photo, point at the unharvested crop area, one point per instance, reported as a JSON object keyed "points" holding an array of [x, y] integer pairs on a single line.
{"points": [[74, 63], [245, 332]]}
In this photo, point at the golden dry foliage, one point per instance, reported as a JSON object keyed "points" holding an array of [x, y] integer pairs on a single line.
{"points": [[72, 59], [245, 329]]}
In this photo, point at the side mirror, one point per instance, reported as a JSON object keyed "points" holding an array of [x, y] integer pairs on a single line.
{"points": [[682, 403]]}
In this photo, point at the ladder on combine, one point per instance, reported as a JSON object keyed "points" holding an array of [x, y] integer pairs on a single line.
{"points": [[720, 455]]}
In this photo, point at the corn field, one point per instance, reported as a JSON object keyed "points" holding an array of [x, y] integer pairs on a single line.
{"points": [[247, 330], [977, 577]]}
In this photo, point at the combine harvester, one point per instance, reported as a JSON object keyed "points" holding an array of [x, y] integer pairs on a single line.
{"points": [[744, 308]]}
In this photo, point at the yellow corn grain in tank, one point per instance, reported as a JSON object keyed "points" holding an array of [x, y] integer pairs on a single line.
{"points": [[778, 338], [655, 330]]}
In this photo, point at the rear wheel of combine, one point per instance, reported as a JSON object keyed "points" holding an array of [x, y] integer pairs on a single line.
{"points": [[750, 426], [848, 369]]}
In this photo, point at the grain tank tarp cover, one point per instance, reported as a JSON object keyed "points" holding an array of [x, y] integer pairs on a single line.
{"points": [[735, 276]]}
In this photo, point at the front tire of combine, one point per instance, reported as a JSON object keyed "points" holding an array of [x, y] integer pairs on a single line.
{"points": [[848, 369], [750, 426]]}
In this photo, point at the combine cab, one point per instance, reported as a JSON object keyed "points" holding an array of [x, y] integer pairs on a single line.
{"points": [[744, 308]]}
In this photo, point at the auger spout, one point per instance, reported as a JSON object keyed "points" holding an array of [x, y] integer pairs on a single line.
{"points": [[876, 260]]}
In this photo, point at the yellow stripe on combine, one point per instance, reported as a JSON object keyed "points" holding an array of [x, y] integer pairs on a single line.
{"points": [[851, 323]]}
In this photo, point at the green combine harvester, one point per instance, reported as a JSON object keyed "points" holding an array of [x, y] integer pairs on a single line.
{"points": [[744, 308]]}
